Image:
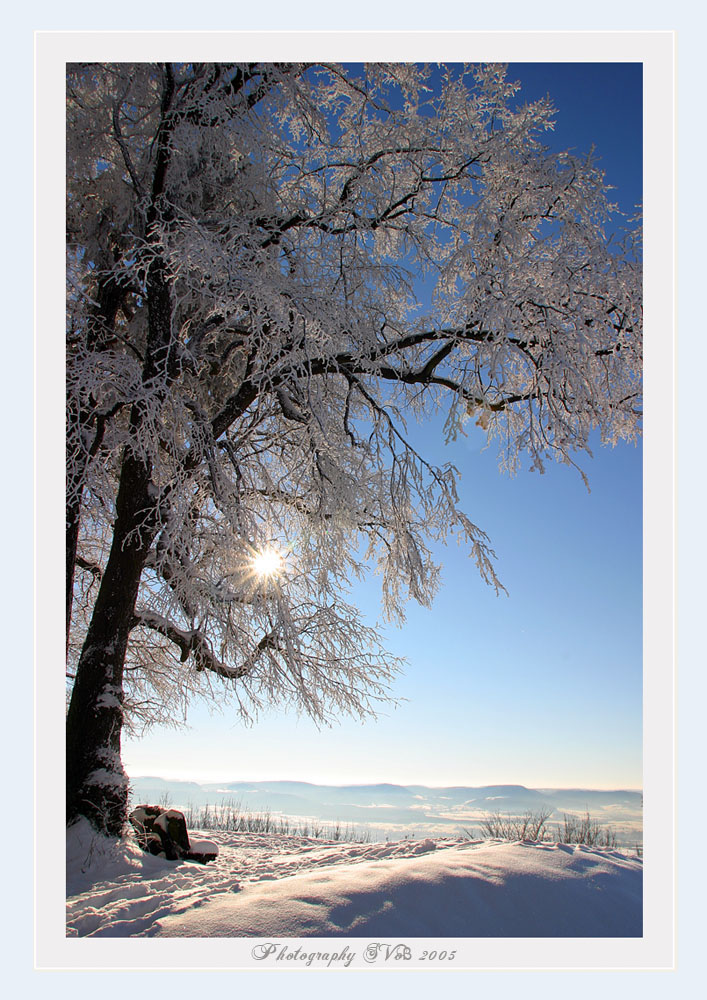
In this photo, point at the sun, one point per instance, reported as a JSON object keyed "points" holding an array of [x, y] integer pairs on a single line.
{"points": [[267, 564]]}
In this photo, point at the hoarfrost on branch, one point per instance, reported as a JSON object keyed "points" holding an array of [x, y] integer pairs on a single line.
{"points": [[269, 266]]}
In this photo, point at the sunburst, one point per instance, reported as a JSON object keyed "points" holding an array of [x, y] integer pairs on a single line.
{"points": [[267, 564]]}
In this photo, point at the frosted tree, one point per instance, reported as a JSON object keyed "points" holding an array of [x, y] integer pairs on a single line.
{"points": [[268, 267]]}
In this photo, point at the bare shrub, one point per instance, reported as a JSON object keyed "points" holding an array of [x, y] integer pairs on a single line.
{"points": [[231, 818], [585, 830], [529, 826]]}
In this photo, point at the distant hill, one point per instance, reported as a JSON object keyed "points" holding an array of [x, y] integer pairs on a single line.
{"points": [[398, 809]]}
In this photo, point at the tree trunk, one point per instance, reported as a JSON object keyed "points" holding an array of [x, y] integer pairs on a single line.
{"points": [[96, 785]]}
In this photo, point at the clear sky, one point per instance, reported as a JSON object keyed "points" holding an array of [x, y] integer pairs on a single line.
{"points": [[542, 687]]}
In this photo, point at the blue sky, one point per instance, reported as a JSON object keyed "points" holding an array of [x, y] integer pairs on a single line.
{"points": [[542, 687]]}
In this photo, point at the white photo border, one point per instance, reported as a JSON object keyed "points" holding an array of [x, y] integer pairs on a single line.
{"points": [[656, 51]]}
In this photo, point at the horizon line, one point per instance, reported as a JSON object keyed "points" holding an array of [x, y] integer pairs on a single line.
{"points": [[396, 784]]}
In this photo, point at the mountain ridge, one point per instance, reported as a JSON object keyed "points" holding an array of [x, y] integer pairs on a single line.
{"points": [[393, 809]]}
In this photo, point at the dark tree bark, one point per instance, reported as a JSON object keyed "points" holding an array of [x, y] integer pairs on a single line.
{"points": [[96, 785]]}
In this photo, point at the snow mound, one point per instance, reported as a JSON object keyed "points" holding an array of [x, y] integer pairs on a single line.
{"points": [[488, 890], [203, 846], [277, 886]]}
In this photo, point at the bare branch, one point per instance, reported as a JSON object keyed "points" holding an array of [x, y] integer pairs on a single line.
{"points": [[191, 643]]}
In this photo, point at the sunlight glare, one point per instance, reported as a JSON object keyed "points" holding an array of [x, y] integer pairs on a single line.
{"points": [[267, 564]]}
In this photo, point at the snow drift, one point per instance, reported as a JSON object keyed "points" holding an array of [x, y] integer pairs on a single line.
{"points": [[276, 886]]}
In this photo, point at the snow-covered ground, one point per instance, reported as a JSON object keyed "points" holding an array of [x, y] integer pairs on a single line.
{"points": [[267, 885]]}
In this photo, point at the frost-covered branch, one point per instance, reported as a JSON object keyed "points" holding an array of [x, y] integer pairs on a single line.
{"points": [[191, 643], [272, 270]]}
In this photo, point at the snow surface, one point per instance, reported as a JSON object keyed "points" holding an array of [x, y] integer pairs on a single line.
{"points": [[267, 885]]}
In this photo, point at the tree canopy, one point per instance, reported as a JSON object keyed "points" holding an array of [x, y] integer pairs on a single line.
{"points": [[269, 266]]}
